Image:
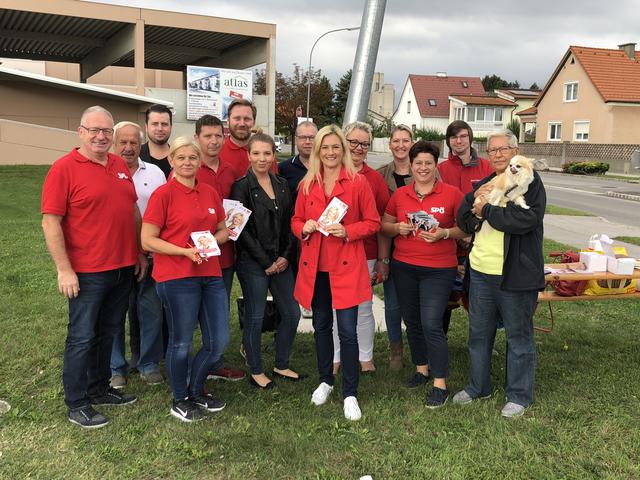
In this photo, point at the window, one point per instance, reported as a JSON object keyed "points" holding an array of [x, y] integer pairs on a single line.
{"points": [[555, 131], [465, 84], [413, 127], [432, 102], [459, 113], [581, 131], [409, 106], [484, 114], [571, 92]]}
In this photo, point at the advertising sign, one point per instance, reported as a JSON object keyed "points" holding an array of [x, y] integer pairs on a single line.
{"points": [[210, 90]]}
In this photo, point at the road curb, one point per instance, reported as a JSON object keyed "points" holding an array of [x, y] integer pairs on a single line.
{"points": [[625, 196]]}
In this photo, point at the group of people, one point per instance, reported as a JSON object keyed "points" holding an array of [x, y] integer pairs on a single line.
{"points": [[120, 228]]}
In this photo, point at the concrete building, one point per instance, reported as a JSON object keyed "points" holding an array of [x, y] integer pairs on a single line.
{"points": [[382, 96], [135, 51]]}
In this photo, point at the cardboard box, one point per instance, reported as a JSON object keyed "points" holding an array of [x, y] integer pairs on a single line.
{"points": [[593, 261], [621, 265]]}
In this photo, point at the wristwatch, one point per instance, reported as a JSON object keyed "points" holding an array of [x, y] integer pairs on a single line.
{"points": [[384, 260]]}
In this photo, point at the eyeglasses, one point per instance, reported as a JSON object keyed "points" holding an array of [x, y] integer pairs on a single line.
{"points": [[492, 152], [355, 144], [462, 136], [93, 131], [306, 138]]}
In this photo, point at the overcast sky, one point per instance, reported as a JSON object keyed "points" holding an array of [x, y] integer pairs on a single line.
{"points": [[521, 41]]}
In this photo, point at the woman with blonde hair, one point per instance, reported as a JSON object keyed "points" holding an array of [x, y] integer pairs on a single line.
{"points": [[333, 272], [189, 284]]}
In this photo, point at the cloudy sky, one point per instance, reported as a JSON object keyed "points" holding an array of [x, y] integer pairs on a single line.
{"points": [[521, 41]]}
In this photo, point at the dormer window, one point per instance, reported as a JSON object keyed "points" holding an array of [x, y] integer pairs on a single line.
{"points": [[433, 102], [465, 84]]}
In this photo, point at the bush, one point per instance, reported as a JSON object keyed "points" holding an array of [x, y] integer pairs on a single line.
{"points": [[429, 134], [586, 168]]}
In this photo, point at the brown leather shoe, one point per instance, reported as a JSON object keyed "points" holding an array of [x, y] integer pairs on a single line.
{"points": [[395, 356]]}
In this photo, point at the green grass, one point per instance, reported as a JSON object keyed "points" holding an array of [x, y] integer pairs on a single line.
{"points": [[632, 240], [556, 210], [583, 424]]}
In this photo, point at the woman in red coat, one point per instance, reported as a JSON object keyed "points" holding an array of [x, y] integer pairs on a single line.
{"points": [[333, 272]]}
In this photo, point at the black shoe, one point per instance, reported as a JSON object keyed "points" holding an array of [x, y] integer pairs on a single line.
{"points": [[206, 402], [113, 397], [437, 398], [186, 410], [417, 380], [87, 417], [268, 386], [301, 376]]}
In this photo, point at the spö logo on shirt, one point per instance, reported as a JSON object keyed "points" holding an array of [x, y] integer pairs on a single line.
{"points": [[212, 211], [122, 176], [437, 210]]}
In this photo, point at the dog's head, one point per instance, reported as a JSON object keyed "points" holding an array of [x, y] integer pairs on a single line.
{"points": [[521, 168]]}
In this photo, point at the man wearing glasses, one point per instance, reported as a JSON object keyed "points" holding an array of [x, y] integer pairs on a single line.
{"points": [[464, 168], [295, 168], [91, 224]]}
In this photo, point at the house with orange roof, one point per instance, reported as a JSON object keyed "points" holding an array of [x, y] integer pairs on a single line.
{"points": [[483, 113], [592, 96], [424, 102]]}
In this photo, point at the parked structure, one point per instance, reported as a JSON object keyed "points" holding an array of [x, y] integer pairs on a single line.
{"points": [[592, 96]]}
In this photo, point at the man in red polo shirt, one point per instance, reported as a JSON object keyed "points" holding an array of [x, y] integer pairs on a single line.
{"points": [[219, 174], [91, 223]]}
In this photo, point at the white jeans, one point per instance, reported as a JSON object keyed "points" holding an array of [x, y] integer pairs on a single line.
{"points": [[366, 328]]}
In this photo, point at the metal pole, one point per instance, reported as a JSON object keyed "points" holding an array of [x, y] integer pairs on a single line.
{"points": [[365, 61], [347, 29]]}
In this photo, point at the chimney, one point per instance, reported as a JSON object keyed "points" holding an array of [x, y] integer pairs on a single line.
{"points": [[629, 49]]}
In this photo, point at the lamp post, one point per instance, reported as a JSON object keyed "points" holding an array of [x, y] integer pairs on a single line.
{"points": [[347, 29]]}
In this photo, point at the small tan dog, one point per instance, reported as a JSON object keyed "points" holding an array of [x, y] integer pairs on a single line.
{"points": [[512, 184]]}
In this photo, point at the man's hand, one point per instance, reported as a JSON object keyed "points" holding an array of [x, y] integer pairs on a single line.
{"points": [[68, 284], [141, 267], [281, 263]]}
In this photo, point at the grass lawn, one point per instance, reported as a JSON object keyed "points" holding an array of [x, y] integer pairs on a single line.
{"points": [[556, 210], [632, 240], [583, 424]]}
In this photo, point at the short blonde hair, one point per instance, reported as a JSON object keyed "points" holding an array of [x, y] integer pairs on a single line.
{"points": [[357, 125], [181, 142], [315, 164]]}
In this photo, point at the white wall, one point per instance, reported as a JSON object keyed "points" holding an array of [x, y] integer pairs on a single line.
{"points": [[401, 116]]}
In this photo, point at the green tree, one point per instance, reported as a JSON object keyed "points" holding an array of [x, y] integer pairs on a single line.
{"points": [[491, 82], [514, 126], [534, 86], [340, 96]]}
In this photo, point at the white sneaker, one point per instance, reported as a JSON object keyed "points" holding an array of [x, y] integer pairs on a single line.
{"points": [[511, 410], [352, 409], [321, 394]]}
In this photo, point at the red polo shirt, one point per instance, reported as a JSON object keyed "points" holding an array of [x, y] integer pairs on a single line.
{"points": [[463, 177], [380, 192], [442, 203], [179, 210], [97, 205], [221, 181], [238, 158]]}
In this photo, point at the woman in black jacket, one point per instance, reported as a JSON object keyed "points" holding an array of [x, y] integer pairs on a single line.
{"points": [[262, 251]]}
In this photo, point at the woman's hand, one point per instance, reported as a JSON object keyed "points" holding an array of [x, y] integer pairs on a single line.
{"points": [[337, 230], [433, 235], [404, 228], [193, 255], [281, 263], [478, 205], [309, 227], [381, 271]]}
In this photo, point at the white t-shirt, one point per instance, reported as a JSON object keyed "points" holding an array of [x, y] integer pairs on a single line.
{"points": [[146, 179]]}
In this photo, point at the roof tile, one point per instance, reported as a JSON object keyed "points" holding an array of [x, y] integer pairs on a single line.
{"points": [[439, 88]]}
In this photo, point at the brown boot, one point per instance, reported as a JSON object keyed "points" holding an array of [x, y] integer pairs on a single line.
{"points": [[395, 356]]}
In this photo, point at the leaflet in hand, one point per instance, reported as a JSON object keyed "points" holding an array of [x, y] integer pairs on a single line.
{"points": [[236, 217], [422, 220], [334, 213], [205, 243]]}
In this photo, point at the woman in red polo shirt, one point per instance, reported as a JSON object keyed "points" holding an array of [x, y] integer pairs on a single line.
{"points": [[424, 265], [333, 269], [190, 285]]}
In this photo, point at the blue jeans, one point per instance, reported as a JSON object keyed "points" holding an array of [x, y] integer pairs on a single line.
{"points": [[255, 284], [323, 334], [145, 310], [186, 302], [95, 316], [392, 316], [423, 293], [486, 301]]}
